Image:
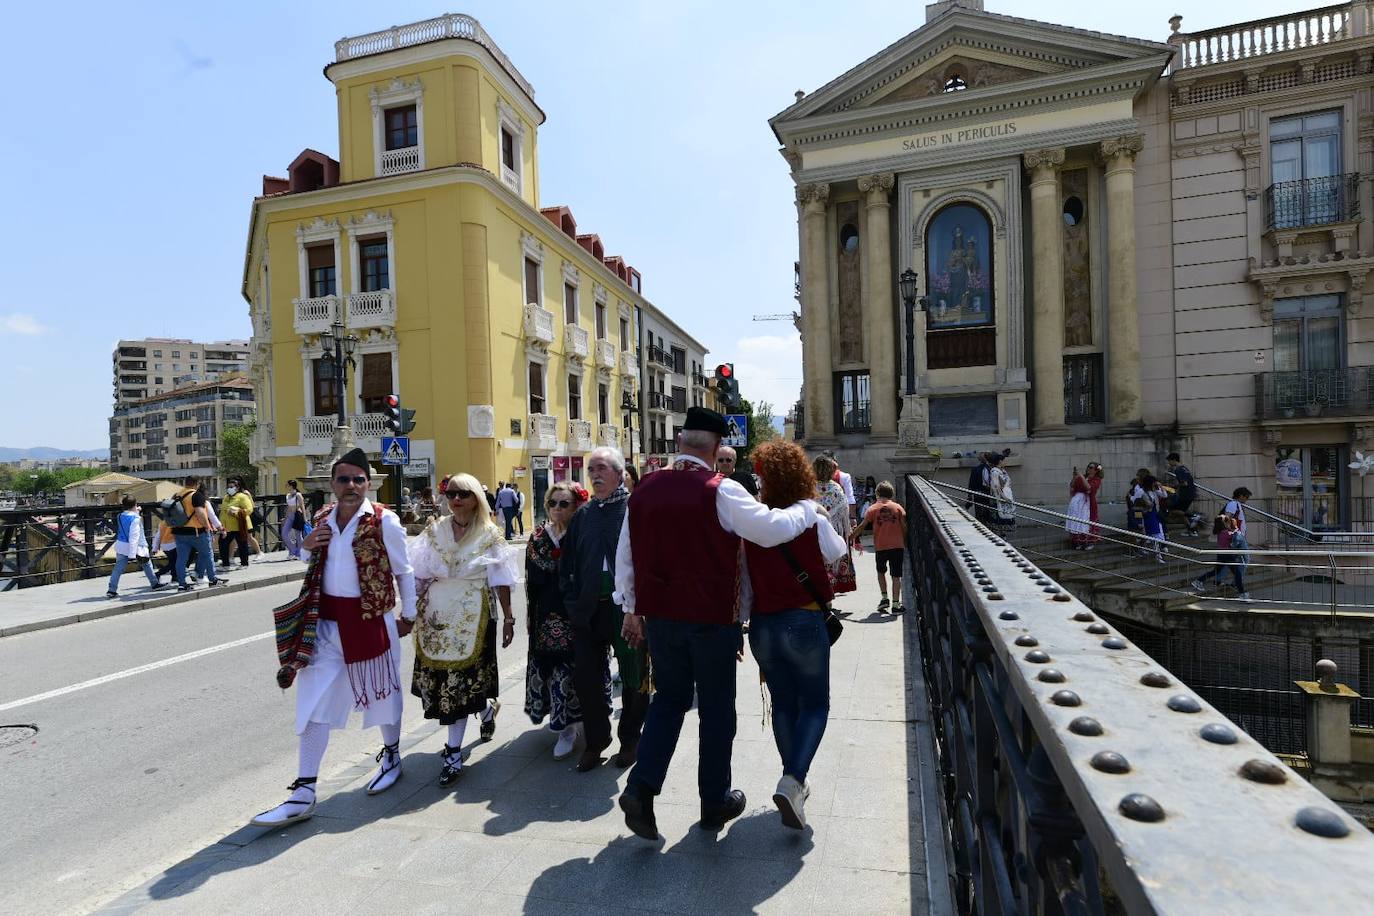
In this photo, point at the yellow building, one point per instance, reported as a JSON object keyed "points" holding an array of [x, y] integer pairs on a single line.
{"points": [[513, 337]]}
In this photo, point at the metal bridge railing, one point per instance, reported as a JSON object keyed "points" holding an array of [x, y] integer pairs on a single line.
{"points": [[1078, 775]]}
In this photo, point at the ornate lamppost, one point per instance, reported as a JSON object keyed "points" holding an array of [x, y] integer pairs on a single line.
{"points": [[343, 344], [907, 283], [628, 405]]}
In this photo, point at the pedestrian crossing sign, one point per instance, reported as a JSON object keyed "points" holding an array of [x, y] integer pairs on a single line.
{"points": [[737, 426], [396, 450]]}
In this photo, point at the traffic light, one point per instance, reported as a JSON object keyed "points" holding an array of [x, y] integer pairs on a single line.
{"points": [[727, 387], [399, 420]]}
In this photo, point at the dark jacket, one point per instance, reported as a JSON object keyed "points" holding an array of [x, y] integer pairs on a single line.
{"points": [[591, 539]]}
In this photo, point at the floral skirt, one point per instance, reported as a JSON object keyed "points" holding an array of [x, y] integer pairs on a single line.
{"points": [[449, 694], [550, 692]]}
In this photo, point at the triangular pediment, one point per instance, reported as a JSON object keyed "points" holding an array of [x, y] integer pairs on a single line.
{"points": [[988, 51]]}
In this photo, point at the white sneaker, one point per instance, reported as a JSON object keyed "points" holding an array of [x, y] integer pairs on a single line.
{"points": [[790, 797], [1244, 596], [567, 742], [389, 771], [298, 807], [1198, 585]]}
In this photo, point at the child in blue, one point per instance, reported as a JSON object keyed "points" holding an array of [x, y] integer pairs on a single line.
{"points": [[130, 545]]}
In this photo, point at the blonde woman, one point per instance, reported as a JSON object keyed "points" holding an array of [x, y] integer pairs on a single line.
{"points": [[461, 563]]}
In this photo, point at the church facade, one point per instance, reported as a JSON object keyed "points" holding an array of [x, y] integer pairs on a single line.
{"points": [[1121, 248]]}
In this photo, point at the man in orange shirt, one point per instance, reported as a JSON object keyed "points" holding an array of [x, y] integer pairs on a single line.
{"points": [[888, 521]]}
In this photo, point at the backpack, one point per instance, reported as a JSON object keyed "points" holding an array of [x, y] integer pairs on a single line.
{"points": [[174, 511]]}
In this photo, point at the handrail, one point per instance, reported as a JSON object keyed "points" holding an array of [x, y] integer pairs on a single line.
{"points": [[1269, 516]]}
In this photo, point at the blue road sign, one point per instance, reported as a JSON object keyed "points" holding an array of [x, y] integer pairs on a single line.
{"points": [[396, 450], [738, 426]]}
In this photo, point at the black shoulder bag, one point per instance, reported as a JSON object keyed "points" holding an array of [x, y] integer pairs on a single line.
{"points": [[834, 628]]}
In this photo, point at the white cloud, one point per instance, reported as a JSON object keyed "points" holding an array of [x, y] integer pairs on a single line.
{"points": [[769, 368], [19, 323]]}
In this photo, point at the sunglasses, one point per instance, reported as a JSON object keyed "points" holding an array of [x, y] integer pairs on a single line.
{"points": [[344, 480], [457, 494], [560, 503]]}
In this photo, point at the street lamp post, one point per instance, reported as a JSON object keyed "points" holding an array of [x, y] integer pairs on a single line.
{"points": [[907, 284], [628, 405], [343, 345]]}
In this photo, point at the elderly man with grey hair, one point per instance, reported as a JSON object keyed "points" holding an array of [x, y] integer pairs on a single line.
{"points": [[586, 574]]}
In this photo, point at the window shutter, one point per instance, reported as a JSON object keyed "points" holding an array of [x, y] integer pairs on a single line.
{"points": [[320, 256], [376, 375]]}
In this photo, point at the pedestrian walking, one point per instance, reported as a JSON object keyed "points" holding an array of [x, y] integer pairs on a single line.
{"points": [[463, 571], [676, 576], [1227, 531], [338, 641], [787, 629], [999, 487], [188, 514], [1079, 512], [980, 489], [130, 546], [888, 521], [839, 574], [550, 688], [586, 571], [1135, 501], [1155, 499], [505, 507], [1093, 476], [520, 509], [238, 515], [293, 525], [846, 482]]}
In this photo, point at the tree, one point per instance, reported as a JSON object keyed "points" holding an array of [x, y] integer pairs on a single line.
{"points": [[32, 482], [233, 453], [760, 425]]}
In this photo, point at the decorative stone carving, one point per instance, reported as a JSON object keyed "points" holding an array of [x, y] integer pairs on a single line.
{"points": [[1044, 159], [911, 427], [317, 229], [481, 421], [599, 293], [972, 73], [571, 274], [1126, 146], [1354, 299], [877, 187], [534, 249], [813, 196]]}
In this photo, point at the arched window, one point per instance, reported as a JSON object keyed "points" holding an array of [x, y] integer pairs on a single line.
{"points": [[959, 265], [954, 83]]}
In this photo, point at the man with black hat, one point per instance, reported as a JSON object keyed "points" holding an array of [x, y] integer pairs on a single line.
{"points": [[682, 593], [338, 641]]}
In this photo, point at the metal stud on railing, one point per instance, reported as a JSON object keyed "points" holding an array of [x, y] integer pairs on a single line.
{"points": [[1110, 762], [1322, 822], [1217, 733], [1141, 808], [1051, 676], [1065, 698], [1264, 771], [1086, 726], [1181, 702]]}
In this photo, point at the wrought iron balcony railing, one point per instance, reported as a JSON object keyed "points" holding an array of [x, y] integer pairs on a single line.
{"points": [[1312, 202], [1315, 393], [1083, 388]]}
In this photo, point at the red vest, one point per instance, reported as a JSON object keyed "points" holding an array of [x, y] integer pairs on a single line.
{"points": [[686, 564], [775, 585]]}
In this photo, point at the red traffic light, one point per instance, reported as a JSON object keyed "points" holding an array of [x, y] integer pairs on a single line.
{"points": [[392, 400], [724, 370]]}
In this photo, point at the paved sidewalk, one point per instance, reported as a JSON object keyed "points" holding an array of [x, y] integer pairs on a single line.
{"points": [[25, 609], [532, 835]]}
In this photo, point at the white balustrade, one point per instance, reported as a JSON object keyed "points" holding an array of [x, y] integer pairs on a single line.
{"points": [[315, 314], [609, 435], [629, 364], [376, 309], [451, 25], [538, 323], [396, 161], [605, 354], [368, 430], [543, 432], [575, 342], [317, 434], [579, 436], [1262, 37]]}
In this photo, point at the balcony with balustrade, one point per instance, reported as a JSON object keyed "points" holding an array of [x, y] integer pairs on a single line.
{"points": [[315, 314], [608, 434], [368, 430], [373, 309], [658, 402], [629, 364], [579, 436], [662, 358], [398, 161], [1315, 394], [575, 342], [605, 354], [317, 434], [1262, 40], [538, 324], [543, 432]]}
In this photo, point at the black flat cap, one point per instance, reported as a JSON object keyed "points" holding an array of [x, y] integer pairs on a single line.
{"points": [[704, 418], [357, 457]]}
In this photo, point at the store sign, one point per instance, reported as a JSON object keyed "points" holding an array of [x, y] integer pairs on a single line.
{"points": [[540, 462], [518, 472]]}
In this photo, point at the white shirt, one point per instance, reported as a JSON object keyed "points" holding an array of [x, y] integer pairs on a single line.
{"points": [[847, 484], [136, 546], [341, 570], [738, 513]]}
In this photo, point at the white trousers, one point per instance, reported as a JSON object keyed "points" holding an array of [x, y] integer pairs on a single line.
{"points": [[323, 693]]}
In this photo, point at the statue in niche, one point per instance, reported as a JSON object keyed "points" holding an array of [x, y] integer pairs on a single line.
{"points": [[959, 288], [851, 344]]}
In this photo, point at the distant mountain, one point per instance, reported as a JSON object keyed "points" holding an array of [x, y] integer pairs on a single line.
{"points": [[777, 424], [46, 453]]}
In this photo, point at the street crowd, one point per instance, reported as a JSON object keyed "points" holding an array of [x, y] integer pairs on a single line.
{"points": [[769, 550]]}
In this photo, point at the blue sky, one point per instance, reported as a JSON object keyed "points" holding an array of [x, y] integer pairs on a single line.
{"points": [[138, 134]]}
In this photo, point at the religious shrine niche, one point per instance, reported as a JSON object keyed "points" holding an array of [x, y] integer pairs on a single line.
{"points": [[959, 264], [1078, 299], [850, 276]]}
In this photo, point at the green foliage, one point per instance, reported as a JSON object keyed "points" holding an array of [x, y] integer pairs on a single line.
{"points": [[31, 482], [233, 453], [760, 425]]}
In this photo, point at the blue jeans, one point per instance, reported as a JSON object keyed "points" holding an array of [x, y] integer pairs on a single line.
{"points": [[1227, 562], [205, 556], [793, 651], [687, 655], [508, 513], [122, 563]]}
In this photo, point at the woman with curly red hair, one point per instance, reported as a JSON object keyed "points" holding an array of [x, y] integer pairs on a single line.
{"points": [[787, 631]]}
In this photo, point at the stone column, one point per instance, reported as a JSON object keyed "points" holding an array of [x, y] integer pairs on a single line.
{"points": [[1047, 253], [1123, 341], [881, 333], [815, 306]]}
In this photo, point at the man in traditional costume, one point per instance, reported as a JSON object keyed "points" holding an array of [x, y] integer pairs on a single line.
{"points": [[677, 576], [338, 641]]}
